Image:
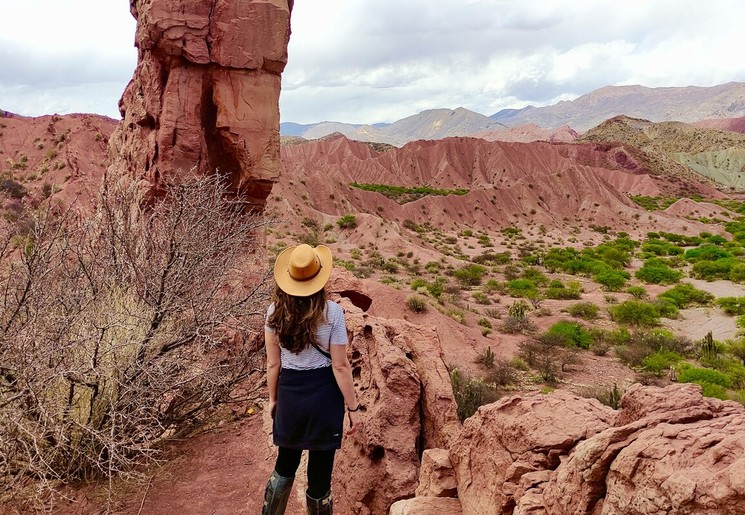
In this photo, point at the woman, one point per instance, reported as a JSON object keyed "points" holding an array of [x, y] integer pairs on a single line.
{"points": [[308, 376]]}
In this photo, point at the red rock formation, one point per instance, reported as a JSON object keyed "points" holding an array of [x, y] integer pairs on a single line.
{"points": [[404, 386], [66, 152], [669, 450], [436, 475], [205, 92], [515, 441], [426, 506]]}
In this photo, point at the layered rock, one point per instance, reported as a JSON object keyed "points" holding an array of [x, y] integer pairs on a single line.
{"points": [[205, 93], [510, 445], [408, 406], [669, 450]]}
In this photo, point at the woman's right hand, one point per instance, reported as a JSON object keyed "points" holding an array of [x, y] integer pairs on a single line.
{"points": [[354, 422]]}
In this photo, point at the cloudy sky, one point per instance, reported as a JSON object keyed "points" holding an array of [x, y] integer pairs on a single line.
{"points": [[366, 61]]}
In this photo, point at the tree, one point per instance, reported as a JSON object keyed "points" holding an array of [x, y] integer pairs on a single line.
{"points": [[120, 328]]}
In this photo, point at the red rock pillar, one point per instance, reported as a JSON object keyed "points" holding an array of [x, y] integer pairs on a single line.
{"points": [[205, 93]]}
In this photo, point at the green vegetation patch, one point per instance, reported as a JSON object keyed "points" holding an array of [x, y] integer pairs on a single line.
{"points": [[653, 203], [404, 194]]}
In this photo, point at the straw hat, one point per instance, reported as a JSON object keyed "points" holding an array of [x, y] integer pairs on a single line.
{"points": [[303, 270]]}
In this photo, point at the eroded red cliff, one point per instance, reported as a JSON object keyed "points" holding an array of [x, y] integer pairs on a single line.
{"points": [[205, 92]]}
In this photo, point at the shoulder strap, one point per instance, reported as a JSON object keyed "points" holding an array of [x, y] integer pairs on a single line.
{"points": [[319, 349]]}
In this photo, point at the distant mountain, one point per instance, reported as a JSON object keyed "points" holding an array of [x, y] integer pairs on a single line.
{"points": [[666, 146], [688, 104], [433, 124], [685, 104], [724, 124]]}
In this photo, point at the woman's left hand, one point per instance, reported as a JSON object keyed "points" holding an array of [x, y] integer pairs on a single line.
{"points": [[272, 408], [354, 422]]}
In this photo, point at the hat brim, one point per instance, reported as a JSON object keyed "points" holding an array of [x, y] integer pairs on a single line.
{"points": [[302, 288]]}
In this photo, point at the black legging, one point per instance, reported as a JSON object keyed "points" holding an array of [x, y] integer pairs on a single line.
{"points": [[320, 465]]}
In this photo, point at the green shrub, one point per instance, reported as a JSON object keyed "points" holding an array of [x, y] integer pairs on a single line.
{"points": [[713, 390], [557, 290], [666, 308], [484, 322], [660, 361], [706, 253], [585, 310], [535, 275], [347, 222], [685, 294], [737, 349], [470, 275], [732, 305], [481, 298], [710, 270], [470, 394], [571, 333], [404, 194], [435, 288], [704, 375], [416, 304], [521, 287], [492, 286], [638, 292], [737, 273], [634, 312], [613, 280], [656, 271], [492, 258]]}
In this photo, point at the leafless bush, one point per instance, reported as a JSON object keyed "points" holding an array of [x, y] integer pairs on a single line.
{"points": [[548, 354], [121, 328], [502, 373]]}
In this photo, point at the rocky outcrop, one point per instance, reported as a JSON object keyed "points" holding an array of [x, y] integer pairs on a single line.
{"points": [[436, 476], [510, 445], [426, 506], [205, 93], [669, 450], [408, 406]]}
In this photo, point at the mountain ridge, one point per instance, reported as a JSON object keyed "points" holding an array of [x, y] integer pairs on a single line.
{"points": [[686, 104]]}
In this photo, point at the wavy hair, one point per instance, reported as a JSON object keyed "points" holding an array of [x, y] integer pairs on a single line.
{"points": [[296, 318]]}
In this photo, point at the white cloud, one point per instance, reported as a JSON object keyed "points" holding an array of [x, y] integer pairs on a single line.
{"points": [[381, 60]]}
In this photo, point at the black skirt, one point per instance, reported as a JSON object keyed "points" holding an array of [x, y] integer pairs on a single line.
{"points": [[310, 410]]}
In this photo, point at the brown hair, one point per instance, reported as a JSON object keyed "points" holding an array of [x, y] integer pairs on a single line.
{"points": [[296, 318]]}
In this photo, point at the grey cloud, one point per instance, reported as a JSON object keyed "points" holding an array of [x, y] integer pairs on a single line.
{"points": [[22, 66]]}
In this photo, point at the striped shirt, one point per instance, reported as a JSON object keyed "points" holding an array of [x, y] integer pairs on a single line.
{"points": [[331, 331]]}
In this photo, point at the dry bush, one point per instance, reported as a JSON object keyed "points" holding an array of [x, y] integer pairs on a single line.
{"points": [[548, 354], [123, 327]]}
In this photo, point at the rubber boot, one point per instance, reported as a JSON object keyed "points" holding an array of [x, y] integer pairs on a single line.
{"points": [[277, 494], [322, 506]]}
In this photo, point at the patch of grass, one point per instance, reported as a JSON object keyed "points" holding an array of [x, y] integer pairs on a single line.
{"points": [[403, 194]]}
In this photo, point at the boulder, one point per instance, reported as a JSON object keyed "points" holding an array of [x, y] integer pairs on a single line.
{"points": [[205, 93], [436, 475], [427, 506], [670, 451], [520, 437]]}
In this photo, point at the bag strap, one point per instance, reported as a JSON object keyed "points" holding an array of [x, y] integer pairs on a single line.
{"points": [[319, 349]]}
